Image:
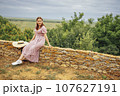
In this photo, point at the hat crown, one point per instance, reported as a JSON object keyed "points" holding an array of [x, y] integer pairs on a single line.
{"points": [[20, 42]]}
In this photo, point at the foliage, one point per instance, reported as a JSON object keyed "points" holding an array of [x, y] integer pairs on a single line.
{"points": [[28, 33], [107, 32], [9, 31], [73, 34], [103, 37]]}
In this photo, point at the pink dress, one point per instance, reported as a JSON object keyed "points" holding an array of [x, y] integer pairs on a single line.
{"points": [[31, 50]]}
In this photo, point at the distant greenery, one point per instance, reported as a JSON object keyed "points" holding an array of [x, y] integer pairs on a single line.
{"points": [[103, 37], [27, 24], [32, 20]]}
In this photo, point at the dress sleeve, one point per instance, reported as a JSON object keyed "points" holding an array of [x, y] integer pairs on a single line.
{"points": [[44, 30]]}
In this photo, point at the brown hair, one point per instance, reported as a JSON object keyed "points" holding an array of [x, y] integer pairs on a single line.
{"points": [[37, 26]]}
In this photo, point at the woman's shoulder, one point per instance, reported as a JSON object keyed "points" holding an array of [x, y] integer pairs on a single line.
{"points": [[43, 26]]}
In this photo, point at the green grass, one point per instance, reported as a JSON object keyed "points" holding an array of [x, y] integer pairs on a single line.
{"points": [[50, 77], [104, 77], [61, 71], [38, 72], [45, 67], [2, 71], [24, 23], [83, 77], [37, 65], [55, 68], [27, 24], [27, 70]]}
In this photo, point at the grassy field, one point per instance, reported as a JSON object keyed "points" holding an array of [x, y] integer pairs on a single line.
{"points": [[28, 24], [24, 23]]}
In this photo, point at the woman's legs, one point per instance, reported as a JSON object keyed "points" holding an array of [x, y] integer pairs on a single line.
{"points": [[19, 61], [21, 57]]}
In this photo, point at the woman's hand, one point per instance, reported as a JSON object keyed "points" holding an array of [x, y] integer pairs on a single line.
{"points": [[50, 45]]}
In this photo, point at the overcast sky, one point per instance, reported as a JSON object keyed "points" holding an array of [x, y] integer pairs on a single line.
{"points": [[56, 9]]}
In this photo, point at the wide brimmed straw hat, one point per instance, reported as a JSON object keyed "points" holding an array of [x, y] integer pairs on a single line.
{"points": [[19, 44]]}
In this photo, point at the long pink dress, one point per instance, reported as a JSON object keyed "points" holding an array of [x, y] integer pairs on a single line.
{"points": [[31, 50]]}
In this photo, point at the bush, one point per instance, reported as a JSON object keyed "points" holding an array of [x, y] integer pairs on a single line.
{"points": [[9, 31]]}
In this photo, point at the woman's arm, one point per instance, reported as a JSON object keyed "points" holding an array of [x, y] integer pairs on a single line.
{"points": [[44, 31], [45, 35]]}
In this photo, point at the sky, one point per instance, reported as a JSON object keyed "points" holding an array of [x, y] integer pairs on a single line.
{"points": [[56, 9]]}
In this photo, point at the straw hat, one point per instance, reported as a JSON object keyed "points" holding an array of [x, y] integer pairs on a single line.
{"points": [[19, 44]]}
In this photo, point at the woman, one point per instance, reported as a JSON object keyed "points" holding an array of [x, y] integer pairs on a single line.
{"points": [[31, 50]]}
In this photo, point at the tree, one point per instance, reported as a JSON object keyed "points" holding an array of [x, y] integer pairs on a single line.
{"points": [[107, 32]]}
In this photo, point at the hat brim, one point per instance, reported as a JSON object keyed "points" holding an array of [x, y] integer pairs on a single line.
{"points": [[15, 44]]}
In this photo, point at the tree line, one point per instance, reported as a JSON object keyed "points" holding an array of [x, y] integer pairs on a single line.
{"points": [[103, 37], [32, 20]]}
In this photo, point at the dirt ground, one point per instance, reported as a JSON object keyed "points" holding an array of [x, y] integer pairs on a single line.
{"points": [[36, 71]]}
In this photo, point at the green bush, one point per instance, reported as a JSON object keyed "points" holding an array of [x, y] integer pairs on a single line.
{"points": [[107, 32], [9, 31]]}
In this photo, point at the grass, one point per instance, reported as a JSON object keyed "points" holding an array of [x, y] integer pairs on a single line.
{"points": [[50, 77], [80, 77], [61, 71], [84, 77], [55, 67], [37, 65], [17, 73], [77, 73], [27, 70], [8, 65], [3, 71], [28, 24], [45, 67], [104, 77], [90, 77], [38, 72]]}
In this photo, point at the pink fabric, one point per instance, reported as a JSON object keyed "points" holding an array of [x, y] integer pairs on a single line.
{"points": [[31, 50]]}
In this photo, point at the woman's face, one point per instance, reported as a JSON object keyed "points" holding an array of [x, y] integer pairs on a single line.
{"points": [[39, 22]]}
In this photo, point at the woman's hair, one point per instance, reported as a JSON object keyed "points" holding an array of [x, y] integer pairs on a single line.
{"points": [[37, 26]]}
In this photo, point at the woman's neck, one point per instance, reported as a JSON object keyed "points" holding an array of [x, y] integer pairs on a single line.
{"points": [[39, 27]]}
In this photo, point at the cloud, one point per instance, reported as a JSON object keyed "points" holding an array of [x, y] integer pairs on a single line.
{"points": [[54, 9]]}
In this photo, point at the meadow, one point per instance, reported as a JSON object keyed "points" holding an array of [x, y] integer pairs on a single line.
{"points": [[24, 23]]}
